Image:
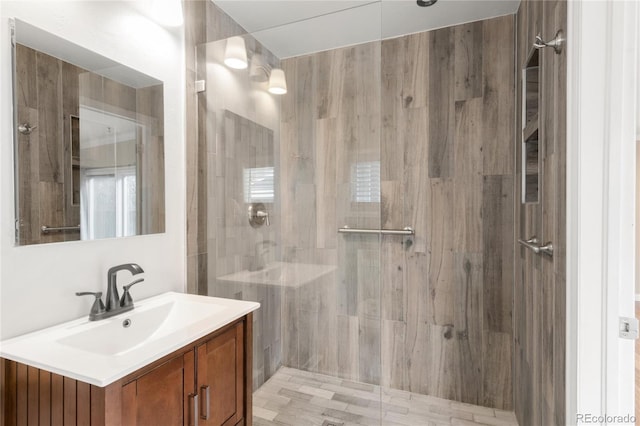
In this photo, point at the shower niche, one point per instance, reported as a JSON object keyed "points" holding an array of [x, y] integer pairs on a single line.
{"points": [[530, 129]]}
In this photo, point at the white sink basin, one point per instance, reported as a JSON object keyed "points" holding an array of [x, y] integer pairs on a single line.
{"points": [[101, 352], [150, 322]]}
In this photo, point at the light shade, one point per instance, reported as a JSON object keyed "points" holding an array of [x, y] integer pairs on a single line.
{"points": [[277, 82], [235, 54]]}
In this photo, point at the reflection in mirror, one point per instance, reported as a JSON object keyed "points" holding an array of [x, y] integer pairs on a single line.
{"points": [[89, 143]]}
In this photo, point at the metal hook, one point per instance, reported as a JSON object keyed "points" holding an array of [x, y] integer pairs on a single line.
{"points": [[556, 43], [26, 128]]}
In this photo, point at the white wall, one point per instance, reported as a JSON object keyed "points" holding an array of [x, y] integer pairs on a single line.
{"points": [[638, 88], [601, 86], [37, 283], [638, 171], [637, 256]]}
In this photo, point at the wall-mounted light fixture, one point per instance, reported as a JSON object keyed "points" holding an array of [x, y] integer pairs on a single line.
{"points": [[235, 54], [277, 82], [258, 70]]}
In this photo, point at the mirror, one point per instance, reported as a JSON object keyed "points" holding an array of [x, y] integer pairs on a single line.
{"points": [[88, 143]]}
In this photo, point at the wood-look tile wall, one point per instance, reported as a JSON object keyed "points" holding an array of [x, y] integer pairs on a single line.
{"points": [[540, 299], [433, 313], [151, 200], [48, 92], [44, 156]]}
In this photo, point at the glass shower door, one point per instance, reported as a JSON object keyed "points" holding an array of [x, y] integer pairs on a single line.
{"points": [[310, 160], [330, 160], [330, 178], [239, 124]]}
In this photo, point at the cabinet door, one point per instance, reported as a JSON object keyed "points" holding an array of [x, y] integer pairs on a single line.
{"points": [[220, 373], [161, 396]]}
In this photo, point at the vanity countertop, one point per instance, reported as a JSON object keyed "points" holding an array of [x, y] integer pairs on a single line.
{"points": [[101, 352]]}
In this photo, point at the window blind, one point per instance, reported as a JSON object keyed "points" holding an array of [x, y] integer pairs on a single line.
{"points": [[259, 185], [365, 182]]}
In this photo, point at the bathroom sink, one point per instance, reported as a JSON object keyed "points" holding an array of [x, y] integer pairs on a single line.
{"points": [[136, 328], [101, 352]]}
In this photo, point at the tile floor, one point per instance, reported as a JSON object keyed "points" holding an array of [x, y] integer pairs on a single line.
{"points": [[299, 398]]}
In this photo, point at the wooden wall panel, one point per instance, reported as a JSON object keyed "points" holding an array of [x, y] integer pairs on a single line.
{"points": [[446, 101], [21, 394], [49, 84], [57, 400], [31, 396], [44, 405], [539, 293], [149, 111], [9, 378], [70, 106], [441, 102], [69, 401], [468, 60]]}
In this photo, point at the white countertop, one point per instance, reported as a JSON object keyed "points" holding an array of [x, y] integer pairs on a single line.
{"points": [[101, 352]]}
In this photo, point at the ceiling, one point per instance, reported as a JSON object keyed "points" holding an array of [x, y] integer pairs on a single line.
{"points": [[297, 27]]}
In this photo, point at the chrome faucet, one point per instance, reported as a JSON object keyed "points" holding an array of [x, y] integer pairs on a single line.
{"points": [[113, 298], [260, 250], [115, 305]]}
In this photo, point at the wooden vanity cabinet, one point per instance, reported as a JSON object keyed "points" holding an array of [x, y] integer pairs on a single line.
{"points": [[220, 379], [161, 396], [206, 383]]}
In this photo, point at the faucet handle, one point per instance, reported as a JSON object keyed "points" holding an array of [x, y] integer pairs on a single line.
{"points": [[126, 299], [98, 306], [263, 214]]}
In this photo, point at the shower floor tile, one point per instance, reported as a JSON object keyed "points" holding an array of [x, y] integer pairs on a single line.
{"points": [[299, 398]]}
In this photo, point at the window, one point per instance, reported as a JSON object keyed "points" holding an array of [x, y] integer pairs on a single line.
{"points": [[259, 185], [365, 182], [109, 206]]}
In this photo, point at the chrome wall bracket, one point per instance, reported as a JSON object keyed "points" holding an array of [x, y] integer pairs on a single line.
{"points": [[557, 42], [26, 128], [532, 244]]}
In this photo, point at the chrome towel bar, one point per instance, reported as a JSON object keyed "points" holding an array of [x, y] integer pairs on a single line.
{"points": [[46, 229], [532, 244], [407, 230]]}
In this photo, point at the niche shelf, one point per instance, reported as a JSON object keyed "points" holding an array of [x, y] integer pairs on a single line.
{"points": [[530, 129]]}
